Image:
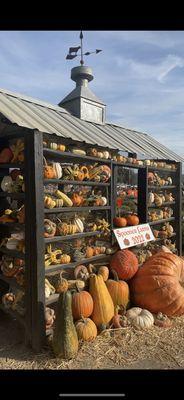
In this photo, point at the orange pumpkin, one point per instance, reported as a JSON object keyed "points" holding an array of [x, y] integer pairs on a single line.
{"points": [[89, 252], [82, 305], [125, 263], [86, 329], [157, 286], [132, 220], [118, 290], [120, 222], [49, 172]]}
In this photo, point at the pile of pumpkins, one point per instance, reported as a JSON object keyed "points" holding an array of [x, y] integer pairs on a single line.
{"points": [[154, 289]]}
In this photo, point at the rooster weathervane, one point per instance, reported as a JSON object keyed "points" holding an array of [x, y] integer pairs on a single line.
{"points": [[73, 51]]}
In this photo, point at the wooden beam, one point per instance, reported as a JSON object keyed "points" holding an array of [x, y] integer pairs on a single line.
{"points": [[34, 236]]}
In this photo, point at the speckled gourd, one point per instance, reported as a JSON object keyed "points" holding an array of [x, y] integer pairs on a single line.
{"points": [[65, 340]]}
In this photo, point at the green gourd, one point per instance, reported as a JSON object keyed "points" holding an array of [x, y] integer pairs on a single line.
{"points": [[65, 340]]}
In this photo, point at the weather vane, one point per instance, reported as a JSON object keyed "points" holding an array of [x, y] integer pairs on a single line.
{"points": [[73, 51]]}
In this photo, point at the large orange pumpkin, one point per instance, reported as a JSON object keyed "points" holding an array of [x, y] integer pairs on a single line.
{"points": [[118, 290], [157, 285], [82, 305], [125, 263]]}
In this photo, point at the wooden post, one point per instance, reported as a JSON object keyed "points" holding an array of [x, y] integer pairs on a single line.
{"points": [[143, 195], [178, 207], [114, 180], [34, 239]]}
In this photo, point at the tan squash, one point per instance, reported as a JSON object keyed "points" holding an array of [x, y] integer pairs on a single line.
{"points": [[103, 310]]}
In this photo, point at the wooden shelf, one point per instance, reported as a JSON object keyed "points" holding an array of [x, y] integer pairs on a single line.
{"points": [[160, 239], [12, 253], [75, 209], [15, 196], [161, 221], [150, 168], [119, 164], [59, 154], [13, 165], [68, 182], [161, 187], [52, 299], [71, 237], [57, 267], [167, 203]]}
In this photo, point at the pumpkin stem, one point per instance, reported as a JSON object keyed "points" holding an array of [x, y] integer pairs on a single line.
{"points": [[91, 269], [45, 161], [115, 275]]}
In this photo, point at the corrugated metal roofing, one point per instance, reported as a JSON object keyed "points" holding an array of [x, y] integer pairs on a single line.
{"points": [[35, 114]]}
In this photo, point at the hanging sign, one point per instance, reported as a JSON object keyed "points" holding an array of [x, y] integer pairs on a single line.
{"points": [[133, 235]]}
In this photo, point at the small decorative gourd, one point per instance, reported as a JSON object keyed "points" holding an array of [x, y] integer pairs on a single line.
{"points": [[49, 202], [62, 284], [104, 271], [77, 199], [49, 228], [61, 147], [65, 259], [89, 252], [49, 172], [79, 224], [81, 272]]}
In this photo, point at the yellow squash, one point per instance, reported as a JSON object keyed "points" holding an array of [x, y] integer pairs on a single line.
{"points": [[103, 310]]}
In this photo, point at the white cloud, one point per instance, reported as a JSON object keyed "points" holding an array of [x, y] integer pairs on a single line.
{"points": [[157, 71]]}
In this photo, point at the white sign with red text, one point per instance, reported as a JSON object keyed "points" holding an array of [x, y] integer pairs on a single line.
{"points": [[133, 235]]}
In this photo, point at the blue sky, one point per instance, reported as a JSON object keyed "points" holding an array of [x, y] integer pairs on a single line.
{"points": [[139, 74]]}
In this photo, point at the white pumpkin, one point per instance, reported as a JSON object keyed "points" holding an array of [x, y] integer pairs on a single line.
{"points": [[106, 154], [140, 318], [53, 146], [58, 170]]}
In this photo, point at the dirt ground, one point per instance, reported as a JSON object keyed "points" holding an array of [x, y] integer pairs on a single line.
{"points": [[154, 348]]}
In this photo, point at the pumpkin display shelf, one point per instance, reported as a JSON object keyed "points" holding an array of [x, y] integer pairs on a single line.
{"points": [[38, 187], [161, 187], [70, 182], [161, 221], [57, 267], [74, 157]]}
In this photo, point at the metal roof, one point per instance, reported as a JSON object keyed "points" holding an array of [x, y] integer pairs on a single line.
{"points": [[36, 114]]}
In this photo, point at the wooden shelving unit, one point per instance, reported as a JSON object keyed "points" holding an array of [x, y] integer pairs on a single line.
{"points": [[33, 199]]}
